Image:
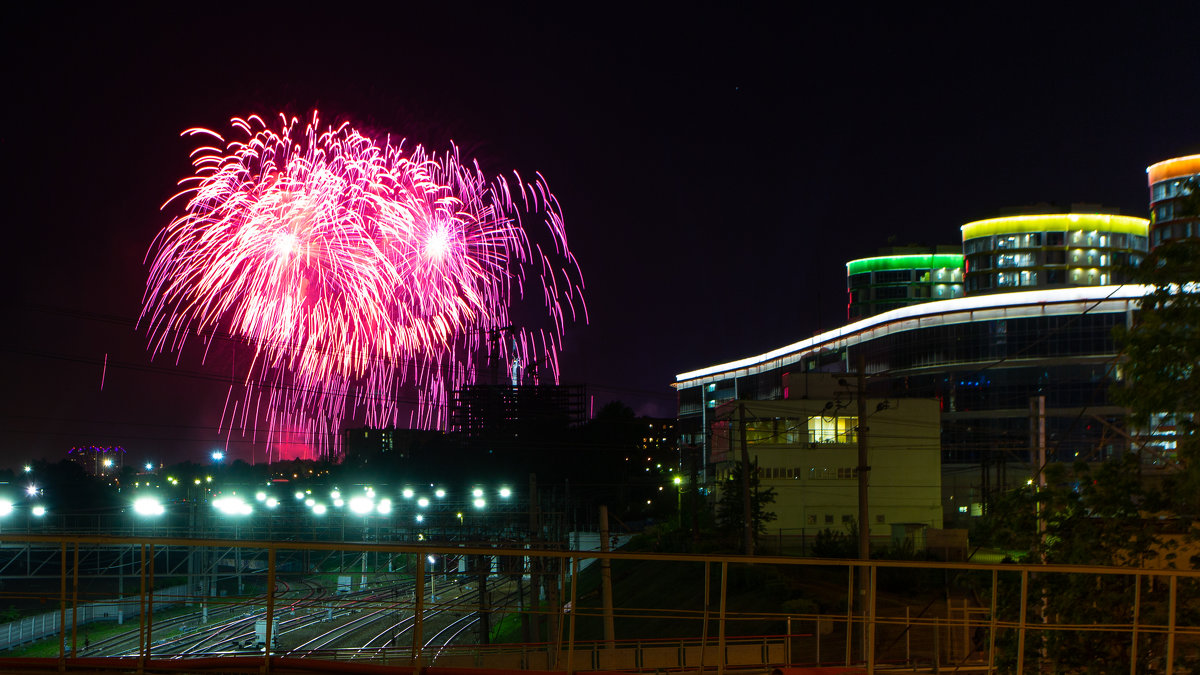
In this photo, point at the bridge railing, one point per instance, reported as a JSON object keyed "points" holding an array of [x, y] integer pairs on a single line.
{"points": [[524, 608]]}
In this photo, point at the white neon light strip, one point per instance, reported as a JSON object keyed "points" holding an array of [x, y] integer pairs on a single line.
{"points": [[926, 314]]}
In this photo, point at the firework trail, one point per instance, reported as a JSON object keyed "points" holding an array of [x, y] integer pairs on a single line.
{"points": [[353, 268]]}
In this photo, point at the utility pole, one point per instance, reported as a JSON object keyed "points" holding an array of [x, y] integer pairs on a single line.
{"points": [[606, 581], [746, 510], [864, 522]]}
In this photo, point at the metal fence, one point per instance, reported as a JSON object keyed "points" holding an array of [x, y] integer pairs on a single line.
{"points": [[46, 624], [541, 609]]}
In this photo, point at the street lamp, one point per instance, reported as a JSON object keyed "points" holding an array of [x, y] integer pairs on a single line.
{"points": [[432, 562], [218, 456], [235, 506], [679, 499], [148, 506]]}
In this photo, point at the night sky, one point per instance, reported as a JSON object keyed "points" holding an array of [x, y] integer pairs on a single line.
{"points": [[717, 167]]}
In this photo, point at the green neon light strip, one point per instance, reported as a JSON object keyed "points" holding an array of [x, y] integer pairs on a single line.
{"points": [[918, 261], [1057, 222]]}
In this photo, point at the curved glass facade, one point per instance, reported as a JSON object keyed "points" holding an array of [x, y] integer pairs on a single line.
{"points": [[983, 359], [1051, 250], [888, 282], [1168, 220]]}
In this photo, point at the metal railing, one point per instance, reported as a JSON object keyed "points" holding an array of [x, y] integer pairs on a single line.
{"points": [[538, 609]]}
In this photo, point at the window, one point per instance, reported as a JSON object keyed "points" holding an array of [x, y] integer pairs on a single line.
{"points": [[880, 519], [1015, 260], [828, 519], [857, 280], [1019, 241], [847, 518], [889, 292], [760, 431], [832, 429], [893, 276], [1056, 238], [812, 519], [977, 245], [1057, 257]]}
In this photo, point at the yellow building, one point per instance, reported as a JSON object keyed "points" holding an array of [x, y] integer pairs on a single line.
{"points": [[807, 450]]}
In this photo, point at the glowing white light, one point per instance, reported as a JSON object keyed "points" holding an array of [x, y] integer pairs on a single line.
{"points": [[299, 494], [439, 493], [107, 462], [420, 518], [148, 506], [423, 502], [361, 505], [232, 506], [318, 509], [218, 455], [479, 503], [408, 493], [505, 492], [385, 506], [339, 503], [431, 559], [477, 492], [335, 495], [1054, 302], [309, 502], [272, 502], [6, 507], [260, 496], [39, 510], [149, 466]]}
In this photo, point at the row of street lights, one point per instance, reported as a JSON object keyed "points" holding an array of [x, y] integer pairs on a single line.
{"points": [[363, 504]]}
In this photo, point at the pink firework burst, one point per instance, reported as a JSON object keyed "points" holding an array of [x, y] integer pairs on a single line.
{"points": [[352, 267]]}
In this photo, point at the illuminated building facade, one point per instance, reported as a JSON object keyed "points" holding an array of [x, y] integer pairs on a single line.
{"points": [[807, 451], [900, 277], [983, 358], [1169, 221], [1055, 250]]}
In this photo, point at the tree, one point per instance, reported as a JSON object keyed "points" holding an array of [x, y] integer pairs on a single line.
{"points": [[1161, 358], [730, 518], [1086, 515]]}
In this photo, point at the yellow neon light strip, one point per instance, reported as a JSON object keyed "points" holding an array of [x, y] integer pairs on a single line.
{"points": [[1173, 168], [1056, 222]]}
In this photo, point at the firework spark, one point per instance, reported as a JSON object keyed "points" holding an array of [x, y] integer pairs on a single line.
{"points": [[353, 267]]}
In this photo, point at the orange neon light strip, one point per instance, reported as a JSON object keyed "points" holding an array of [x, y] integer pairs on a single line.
{"points": [[1178, 167]]}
